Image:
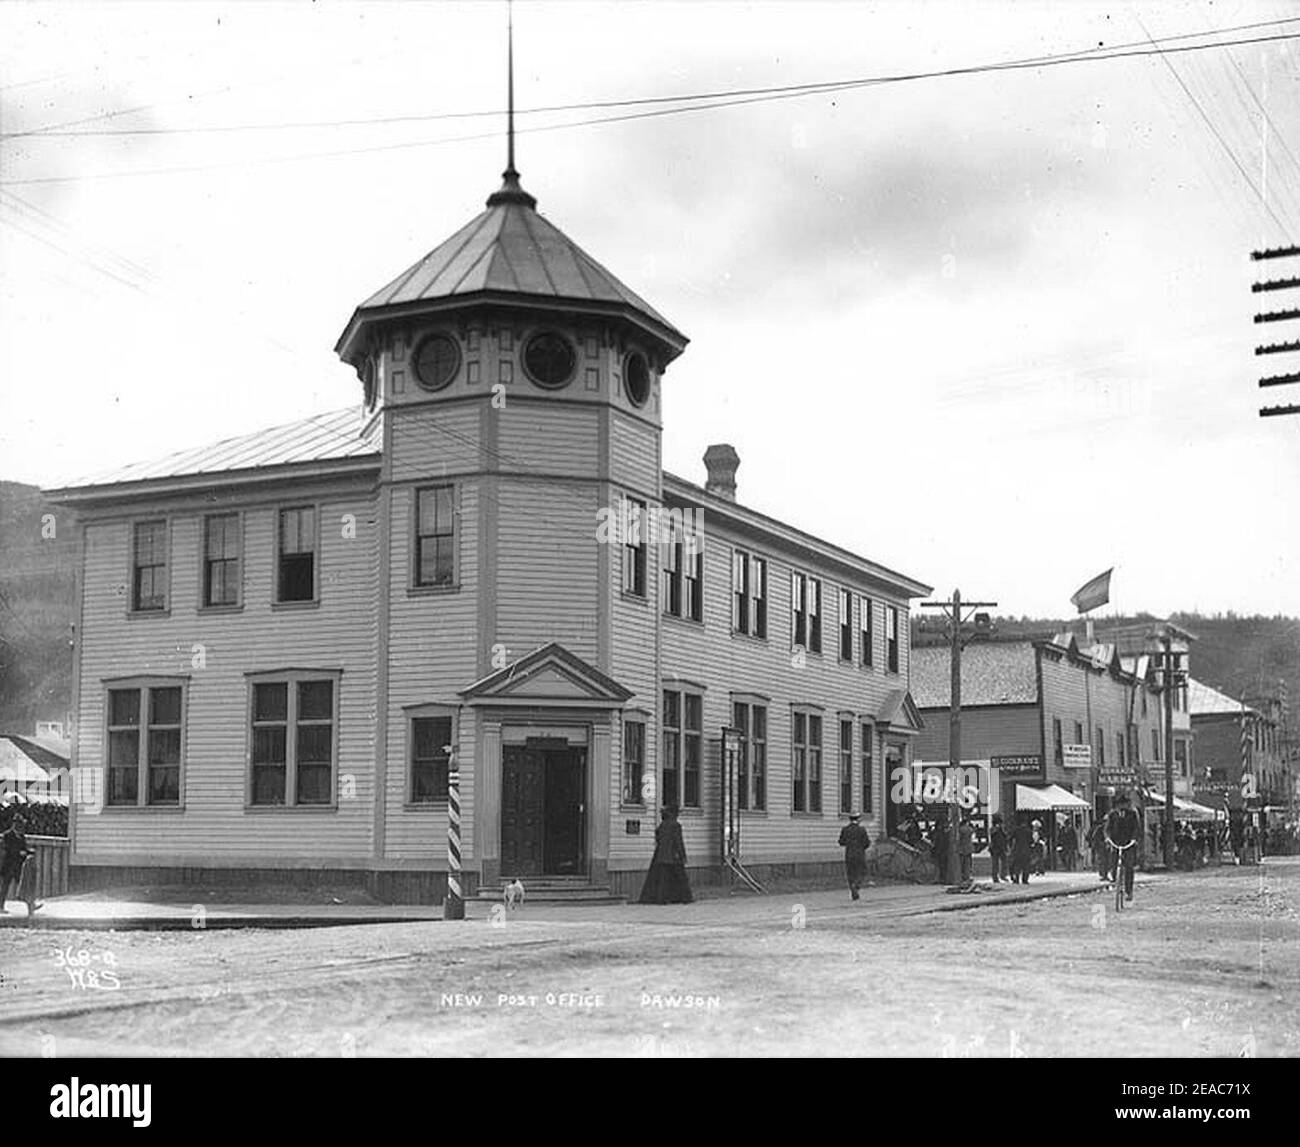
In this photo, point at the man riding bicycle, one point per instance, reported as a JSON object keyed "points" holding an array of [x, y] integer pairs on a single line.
{"points": [[1122, 829]]}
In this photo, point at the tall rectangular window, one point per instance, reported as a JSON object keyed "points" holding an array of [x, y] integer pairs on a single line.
{"points": [[758, 757], [672, 748], [144, 734], [868, 767], [846, 766], [683, 748], [805, 612], [1155, 744], [846, 625], [739, 591], [758, 596], [806, 762], [683, 576], [435, 536], [292, 738], [799, 762], [221, 559], [634, 548], [297, 576], [891, 638], [149, 570], [1119, 749], [633, 762], [1078, 733], [1101, 748], [692, 749], [1180, 757], [430, 759], [868, 631], [1058, 739], [740, 722]]}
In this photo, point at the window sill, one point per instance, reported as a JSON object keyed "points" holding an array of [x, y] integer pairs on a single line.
{"points": [[141, 613], [634, 809], [628, 595], [290, 808], [147, 808], [693, 621], [691, 811], [425, 806], [210, 610], [797, 815], [291, 606], [756, 813], [431, 590], [749, 636]]}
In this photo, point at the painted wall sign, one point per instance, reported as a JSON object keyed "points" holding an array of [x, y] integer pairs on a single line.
{"points": [[1077, 756], [1020, 765]]}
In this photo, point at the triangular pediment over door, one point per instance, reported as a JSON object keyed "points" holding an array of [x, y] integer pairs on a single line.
{"points": [[549, 674]]}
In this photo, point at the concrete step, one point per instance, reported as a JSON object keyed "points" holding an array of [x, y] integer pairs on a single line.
{"points": [[556, 891]]}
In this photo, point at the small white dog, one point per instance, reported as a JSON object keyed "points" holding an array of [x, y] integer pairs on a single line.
{"points": [[514, 894]]}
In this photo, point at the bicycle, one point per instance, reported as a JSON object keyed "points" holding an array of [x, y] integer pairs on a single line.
{"points": [[1120, 873]]}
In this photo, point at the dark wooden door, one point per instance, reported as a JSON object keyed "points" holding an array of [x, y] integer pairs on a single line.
{"points": [[521, 812], [565, 784]]}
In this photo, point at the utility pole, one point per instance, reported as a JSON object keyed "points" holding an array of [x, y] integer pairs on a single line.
{"points": [[1170, 686], [952, 610]]}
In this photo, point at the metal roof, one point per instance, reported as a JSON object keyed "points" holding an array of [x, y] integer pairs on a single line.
{"points": [[1203, 700], [992, 673], [321, 438], [511, 249]]}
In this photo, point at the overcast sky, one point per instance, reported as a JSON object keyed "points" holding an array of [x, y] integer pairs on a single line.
{"points": [[992, 330]]}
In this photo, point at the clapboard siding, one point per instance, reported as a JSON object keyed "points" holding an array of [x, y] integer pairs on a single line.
{"points": [[547, 567], [986, 731], [214, 652], [634, 457], [432, 655], [435, 441], [725, 663], [549, 439]]}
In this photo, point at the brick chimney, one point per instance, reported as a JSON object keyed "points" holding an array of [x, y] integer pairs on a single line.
{"points": [[722, 461]]}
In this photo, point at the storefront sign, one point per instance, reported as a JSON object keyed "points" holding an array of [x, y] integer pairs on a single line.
{"points": [[1117, 777], [1024, 765], [1077, 756]]}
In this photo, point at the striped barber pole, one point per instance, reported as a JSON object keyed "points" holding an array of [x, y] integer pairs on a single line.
{"points": [[453, 905]]}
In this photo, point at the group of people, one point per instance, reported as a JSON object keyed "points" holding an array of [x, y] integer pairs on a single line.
{"points": [[1020, 852]]}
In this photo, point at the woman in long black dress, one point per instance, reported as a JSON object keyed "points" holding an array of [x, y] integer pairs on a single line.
{"points": [[666, 882]]}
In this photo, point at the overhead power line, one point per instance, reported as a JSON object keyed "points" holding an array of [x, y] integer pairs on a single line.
{"points": [[730, 101], [54, 132]]}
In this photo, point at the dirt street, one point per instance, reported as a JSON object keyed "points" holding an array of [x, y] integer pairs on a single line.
{"points": [[1206, 964]]}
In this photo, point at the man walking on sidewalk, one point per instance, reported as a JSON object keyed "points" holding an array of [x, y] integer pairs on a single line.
{"points": [[855, 842]]}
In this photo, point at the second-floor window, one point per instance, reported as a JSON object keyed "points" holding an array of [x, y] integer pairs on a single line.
{"points": [[891, 638], [149, 567], [846, 625], [846, 766], [435, 537], [805, 611], [634, 548], [868, 632], [1101, 748], [297, 573], [683, 582], [748, 594], [221, 559], [1058, 739], [1119, 749], [806, 762]]}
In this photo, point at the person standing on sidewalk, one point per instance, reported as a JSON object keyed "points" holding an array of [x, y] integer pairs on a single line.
{"points": [[855, 842], [1069, 846], [998, 848], [12, 860], [1022, 849], [965, 848]]}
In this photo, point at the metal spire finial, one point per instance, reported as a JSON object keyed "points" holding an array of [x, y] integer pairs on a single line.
{"points": [[510, 191]]}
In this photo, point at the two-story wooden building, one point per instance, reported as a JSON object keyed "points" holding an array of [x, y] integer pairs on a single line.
{"points": [[286, 639]]}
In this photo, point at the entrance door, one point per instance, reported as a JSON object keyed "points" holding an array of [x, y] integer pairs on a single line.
{"points": [[565, 779], [893, 762], [521, 812], [543, 810]]}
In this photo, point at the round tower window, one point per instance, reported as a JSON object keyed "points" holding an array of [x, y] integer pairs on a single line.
{"points": [[550, 359], [636, 377], [437, 359]]}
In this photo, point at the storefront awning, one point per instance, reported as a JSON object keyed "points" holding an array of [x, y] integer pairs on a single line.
{"points": [[1184, 809], [1047, 799]]}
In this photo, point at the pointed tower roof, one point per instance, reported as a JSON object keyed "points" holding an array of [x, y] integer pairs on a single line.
{"points": [[510, 254]]}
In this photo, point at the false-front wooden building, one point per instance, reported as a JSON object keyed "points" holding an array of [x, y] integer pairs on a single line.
{"points": [[286, 640]]}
